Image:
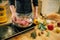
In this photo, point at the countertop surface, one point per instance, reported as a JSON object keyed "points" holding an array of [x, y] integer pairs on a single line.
{"points": [[27, 35]]}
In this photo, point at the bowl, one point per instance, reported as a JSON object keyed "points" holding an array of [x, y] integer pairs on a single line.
{"points": [[24, 22]]}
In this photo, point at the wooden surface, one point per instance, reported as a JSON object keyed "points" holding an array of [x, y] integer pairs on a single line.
{"points": [[27, 36]]}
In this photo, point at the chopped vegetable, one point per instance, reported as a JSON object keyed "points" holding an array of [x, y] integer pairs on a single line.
{"points": [[45, 22], [48, 34], [33, 35], [42, 27]]}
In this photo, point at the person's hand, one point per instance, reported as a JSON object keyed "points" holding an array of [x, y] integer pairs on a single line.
{"points": [[14, 15], [35, 15], [14, 19]]}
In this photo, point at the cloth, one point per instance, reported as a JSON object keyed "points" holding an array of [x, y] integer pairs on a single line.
{"points": [[23, 6]]}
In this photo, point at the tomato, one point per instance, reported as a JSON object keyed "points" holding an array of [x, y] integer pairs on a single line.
{"points": [[50, 27]]}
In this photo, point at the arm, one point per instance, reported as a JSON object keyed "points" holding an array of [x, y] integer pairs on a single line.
{"points": [[35, 5], [12, 6]]}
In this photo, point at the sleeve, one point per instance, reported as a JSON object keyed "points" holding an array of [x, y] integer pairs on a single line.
{"points": [[12, 2], [35, 2]]}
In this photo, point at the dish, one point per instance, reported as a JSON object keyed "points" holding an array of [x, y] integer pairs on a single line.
{"points": [[23, 21]]}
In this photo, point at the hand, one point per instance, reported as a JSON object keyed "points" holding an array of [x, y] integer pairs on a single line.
{"points": [[14, 19], [35, 16]]}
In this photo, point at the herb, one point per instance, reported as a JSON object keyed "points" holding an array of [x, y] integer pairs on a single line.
{"points": [[48, 34], [33, 35], [42, 27]]}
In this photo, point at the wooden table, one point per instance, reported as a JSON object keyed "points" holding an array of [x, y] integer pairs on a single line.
{"points": [[27, 36]]}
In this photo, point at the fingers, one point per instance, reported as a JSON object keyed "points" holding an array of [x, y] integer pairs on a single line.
{"points": [[14, 19]]}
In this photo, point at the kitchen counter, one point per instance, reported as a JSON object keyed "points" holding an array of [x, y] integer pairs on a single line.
{"points": [[27, 36]]}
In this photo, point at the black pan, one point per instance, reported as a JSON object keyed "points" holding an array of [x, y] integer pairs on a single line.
{"points": [[7, 31]]}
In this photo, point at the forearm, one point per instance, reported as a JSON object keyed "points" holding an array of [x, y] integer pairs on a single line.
{"points": [[36, 11], [12, 6], [13, 10], [35, 6]]}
